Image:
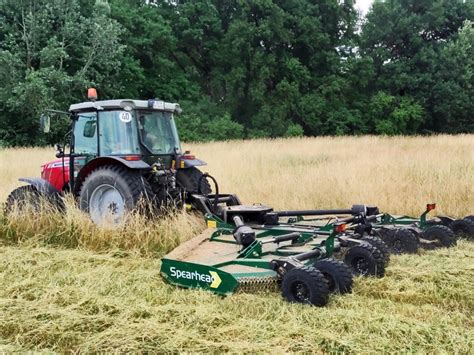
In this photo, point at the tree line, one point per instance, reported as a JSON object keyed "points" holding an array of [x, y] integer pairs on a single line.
{"points": [[243, 69]]}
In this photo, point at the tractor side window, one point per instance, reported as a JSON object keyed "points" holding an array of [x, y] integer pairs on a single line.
{"points": [[117, 133], [85, 134]]}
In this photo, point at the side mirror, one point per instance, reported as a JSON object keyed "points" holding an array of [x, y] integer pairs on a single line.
{"points": [[45, 123], [89, 129]]}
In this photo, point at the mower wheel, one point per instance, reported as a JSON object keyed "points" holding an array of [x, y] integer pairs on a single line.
{"points": [[305, 285], [110, 191], [337, 274], [463, 228], [380, 245], [404, 241], [366, 260], [189, 179], [23, 198], [442, 235]]}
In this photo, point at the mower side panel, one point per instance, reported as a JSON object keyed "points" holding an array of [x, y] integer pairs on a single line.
{"points": [[191, 275], [42, 186]]}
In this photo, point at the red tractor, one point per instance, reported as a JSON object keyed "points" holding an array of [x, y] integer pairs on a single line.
{"points": [[120, 152]]}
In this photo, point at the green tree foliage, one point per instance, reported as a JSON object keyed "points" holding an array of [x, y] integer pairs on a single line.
{"points": [[262, 68]]}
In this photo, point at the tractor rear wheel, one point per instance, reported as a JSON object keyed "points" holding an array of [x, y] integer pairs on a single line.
{"points": [[366, 260], [305, 285], [442, 236], [23, 198], [463, 228], [111, 191], [189, 179], [380, 245], [337, 274]]}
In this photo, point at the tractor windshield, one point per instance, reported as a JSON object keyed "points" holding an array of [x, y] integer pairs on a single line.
{"points": [[158, 132]]}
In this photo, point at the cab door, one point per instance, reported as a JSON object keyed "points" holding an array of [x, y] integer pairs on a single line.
{"points": [[85, 139]]}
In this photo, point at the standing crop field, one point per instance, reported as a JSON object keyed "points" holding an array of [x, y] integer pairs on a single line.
{"points": [[66, 285]]}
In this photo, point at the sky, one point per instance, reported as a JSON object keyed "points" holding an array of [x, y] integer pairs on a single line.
{"points": [[363, 5]]}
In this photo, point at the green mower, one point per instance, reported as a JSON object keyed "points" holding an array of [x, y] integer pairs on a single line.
{"points": [[248, 248]]}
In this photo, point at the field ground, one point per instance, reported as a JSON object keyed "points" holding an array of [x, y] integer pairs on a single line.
{"points": [[67, 286]]}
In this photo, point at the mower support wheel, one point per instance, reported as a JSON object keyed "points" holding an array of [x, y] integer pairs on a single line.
{"points": [[305, 285], [400, 240], [380, 245], [463, 228], [366, 260], [442, 236], [337, 274]]}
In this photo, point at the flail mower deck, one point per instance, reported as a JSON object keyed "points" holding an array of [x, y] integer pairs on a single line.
{"points": [[252, 247]]}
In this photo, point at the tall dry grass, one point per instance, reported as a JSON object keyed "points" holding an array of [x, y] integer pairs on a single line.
{"points": [[399, 174]]}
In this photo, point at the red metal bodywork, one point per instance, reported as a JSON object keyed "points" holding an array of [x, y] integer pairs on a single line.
{"points": [[53, 173]]}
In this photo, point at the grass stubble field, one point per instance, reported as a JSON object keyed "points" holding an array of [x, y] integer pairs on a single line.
{"points": [[66, 285]]}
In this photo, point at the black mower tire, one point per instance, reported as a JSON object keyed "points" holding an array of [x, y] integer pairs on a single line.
{"points": [[23, 197], [132, 186], [305, 285], [365, 260], [189, 179], [443, 236], [337, 274], [380, 245], [404, 241], [463, 228]]}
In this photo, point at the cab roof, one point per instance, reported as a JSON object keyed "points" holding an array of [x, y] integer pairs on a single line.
{"points": [[156, 105]]}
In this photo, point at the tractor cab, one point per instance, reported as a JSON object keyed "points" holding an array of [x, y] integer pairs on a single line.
{"points": [[131, 129]]}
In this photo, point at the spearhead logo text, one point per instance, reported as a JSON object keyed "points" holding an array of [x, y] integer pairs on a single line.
{"points": [[211, 278]]}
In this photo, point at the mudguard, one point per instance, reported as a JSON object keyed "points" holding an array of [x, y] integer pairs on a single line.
{"points": [[42, 186], [188, 163], [110, 160]]}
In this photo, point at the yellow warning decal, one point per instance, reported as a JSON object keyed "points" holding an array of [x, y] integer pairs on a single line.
{"points": [[212, 224], [216, 280]]}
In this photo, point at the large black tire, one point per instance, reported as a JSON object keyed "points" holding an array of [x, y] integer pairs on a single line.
{"points": [[400, 240], [471, 218], [463, 228], [380, 245], [189, 179], [441, 235], [23, 198], [337, 274], [366, 260], [134, 190], [305, 285]]}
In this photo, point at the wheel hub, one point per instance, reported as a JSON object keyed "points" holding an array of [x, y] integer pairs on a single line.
{"points": [[361, 265], [300, 291], [106, 205]]}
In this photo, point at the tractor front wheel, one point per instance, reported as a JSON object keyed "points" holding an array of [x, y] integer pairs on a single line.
{"points": [[366, 260], [463, 228], [111, 191], [337, 274], [305, 285]]}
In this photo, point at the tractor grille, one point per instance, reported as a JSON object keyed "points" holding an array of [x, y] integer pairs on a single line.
{"points": [[258, 284]]}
